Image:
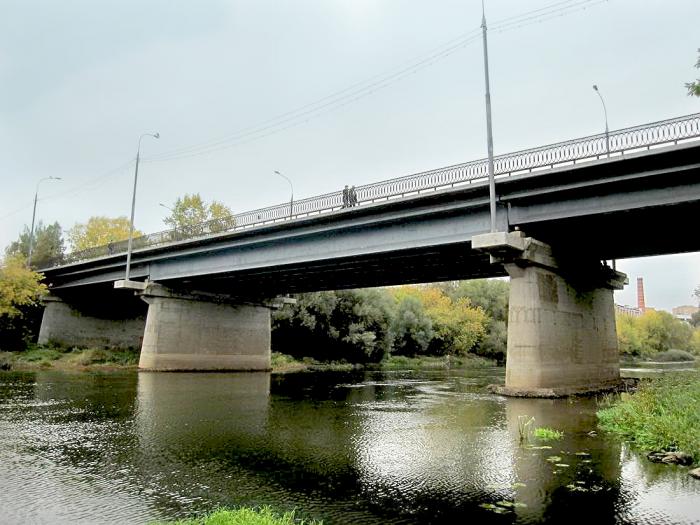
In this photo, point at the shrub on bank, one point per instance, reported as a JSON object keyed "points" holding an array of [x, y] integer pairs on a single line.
{"points": [[662, 415]]}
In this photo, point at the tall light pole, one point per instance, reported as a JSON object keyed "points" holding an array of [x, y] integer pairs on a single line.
{"points": [[489, 134], [31, 232], [291, 199], [605, 111], [133, 203]]}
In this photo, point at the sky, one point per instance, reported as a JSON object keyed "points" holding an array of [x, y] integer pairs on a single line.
{"points": [[80, 81]]}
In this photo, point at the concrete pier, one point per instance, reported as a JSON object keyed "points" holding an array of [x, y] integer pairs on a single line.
{"points": [[561, 320], [197, 332], [72, 324]]}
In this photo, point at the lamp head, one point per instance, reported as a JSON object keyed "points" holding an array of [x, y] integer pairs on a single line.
{"points": [[156, 135], [595, 87]]}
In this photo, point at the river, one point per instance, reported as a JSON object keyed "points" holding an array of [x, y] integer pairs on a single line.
{"points": [[363, 447]]}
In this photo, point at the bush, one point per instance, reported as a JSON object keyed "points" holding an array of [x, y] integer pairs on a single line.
{"points": [[661, 415]]}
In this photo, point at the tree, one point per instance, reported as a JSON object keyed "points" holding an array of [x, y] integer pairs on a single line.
{"points": [[19, 286], [457, 325], [350, 325], [694, 87], [99, 231], [191, 216], [492, 296], [47, 246]]}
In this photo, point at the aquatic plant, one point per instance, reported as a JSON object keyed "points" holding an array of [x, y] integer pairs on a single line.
{"points": [[524, 427], [547, 434], [244, 516]]}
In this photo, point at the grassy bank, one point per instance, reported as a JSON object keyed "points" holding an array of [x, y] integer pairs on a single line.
{"points": [[244, 516], [46, 357], [662, 415], [282, 363]]}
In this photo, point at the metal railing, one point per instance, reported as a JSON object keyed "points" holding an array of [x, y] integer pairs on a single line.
{"points": [[569, 152]]}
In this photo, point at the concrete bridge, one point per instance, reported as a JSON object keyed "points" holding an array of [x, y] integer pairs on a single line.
{"points": [[203, 303]]}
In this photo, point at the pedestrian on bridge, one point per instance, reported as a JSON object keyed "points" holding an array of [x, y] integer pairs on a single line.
{"points": [[346, 197], [352, 196]]}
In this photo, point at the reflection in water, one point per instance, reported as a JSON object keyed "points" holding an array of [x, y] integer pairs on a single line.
{"points": [[347, 448]]}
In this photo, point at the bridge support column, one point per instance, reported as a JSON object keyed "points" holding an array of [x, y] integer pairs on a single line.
{"points": [[67, 324], [561, 319], [196, 332]]}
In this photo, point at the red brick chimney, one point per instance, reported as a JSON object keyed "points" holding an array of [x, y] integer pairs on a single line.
{"points": [[640, 294]]}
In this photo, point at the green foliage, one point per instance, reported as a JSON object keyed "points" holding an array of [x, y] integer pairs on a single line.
{"points": [[653, 332], [547, 434], [411, 326], [99, 231], [191, 216], [244, 516], [19, 286], [457, 326], [364, 326], [694, 87], [491, 295], [349, 324], [47, 246], [662, 415], [695, 319]]}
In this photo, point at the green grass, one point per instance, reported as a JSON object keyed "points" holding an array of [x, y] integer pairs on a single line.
{"points": [[244, 516], [547, 434], [59, 357], [663, 414]]}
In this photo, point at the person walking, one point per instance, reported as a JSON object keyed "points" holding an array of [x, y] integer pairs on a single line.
{"points": [[346, 197]]}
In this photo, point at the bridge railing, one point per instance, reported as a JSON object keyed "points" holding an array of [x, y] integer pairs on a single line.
{"points": [[562, 153]]}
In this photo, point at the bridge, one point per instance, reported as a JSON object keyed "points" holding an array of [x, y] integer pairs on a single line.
{"points": [[203, 295]]}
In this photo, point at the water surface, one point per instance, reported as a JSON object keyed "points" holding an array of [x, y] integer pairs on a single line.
{"points": [[370, 447]]}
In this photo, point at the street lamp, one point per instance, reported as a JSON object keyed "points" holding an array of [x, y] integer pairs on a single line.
{"points": [[291, 200], [166, 207], [605, 110], [31, 233], [133, 203]]}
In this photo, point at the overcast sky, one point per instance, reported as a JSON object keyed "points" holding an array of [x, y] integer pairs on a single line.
{"points": [[81, 80]]}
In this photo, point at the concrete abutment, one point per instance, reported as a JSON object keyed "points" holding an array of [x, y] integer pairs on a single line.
{"points": [[71, 324], [561, 320]]}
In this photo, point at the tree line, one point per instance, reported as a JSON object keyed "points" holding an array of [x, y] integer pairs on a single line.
{"points": [[368, 325], [189, 216]]}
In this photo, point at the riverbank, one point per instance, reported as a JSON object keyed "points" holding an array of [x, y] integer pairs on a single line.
{"points": [[244, 516], [44, 357], [85, 359], [662, 415]]}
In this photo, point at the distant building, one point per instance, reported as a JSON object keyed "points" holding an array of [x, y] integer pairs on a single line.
{"points": [[685, 312], [628, 310]]}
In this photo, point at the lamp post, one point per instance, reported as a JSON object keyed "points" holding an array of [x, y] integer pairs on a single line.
{"points": [[31, 232], [605, 111], [291, 199], [166, 207], [133, 203], [489, 134]]}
